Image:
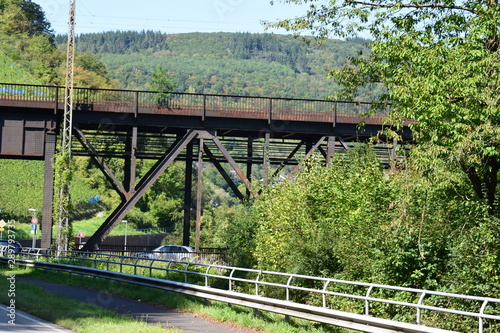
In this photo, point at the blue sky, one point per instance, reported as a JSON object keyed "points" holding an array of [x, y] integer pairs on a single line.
{"points": [[169, 16]]}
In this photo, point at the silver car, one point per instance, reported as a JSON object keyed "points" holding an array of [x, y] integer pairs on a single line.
{"points": [[169, 252]]}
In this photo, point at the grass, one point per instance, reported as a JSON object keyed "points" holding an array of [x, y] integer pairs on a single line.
{"points": [[240, 316], [74, 315]]}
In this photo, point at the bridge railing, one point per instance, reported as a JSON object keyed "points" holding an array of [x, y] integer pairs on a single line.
{"points": [[188, 104]]}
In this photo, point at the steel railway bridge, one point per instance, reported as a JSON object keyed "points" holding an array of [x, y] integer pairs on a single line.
{"points": [[239, 131]]}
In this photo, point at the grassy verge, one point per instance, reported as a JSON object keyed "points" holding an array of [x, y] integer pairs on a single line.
{"points": [[241, 316], [74, 315]]}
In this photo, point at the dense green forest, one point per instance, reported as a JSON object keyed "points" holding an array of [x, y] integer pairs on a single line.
{"points": [[223, 63], [433, 222]]}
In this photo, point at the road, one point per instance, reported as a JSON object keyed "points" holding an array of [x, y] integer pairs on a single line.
{"points": [[24, 322], [139, 310]]}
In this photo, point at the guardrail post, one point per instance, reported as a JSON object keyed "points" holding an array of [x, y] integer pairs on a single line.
{"points": [[257, 279], [419, 314], [121, 265], [231, 280], [325, 288], [367, 302], [288, 287], [150, 267], [206, 275], [481, 312], [186, 273]]}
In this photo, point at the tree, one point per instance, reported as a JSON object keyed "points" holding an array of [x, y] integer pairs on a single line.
{"points": [[439, 62], [22, 17], [163, 83]]}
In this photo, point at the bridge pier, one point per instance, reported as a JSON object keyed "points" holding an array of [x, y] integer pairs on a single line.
{"points": [[48, 189], [188, 182]]}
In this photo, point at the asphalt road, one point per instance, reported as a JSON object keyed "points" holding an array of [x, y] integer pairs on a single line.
{"points": [[145, 312], [22, 322]]}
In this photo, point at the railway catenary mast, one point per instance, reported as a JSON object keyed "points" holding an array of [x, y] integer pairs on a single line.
{"points": [[64, 165]]}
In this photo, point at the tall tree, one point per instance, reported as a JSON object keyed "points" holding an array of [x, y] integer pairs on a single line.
{"points": [[439, 62], [22, 17], [163, 83]]}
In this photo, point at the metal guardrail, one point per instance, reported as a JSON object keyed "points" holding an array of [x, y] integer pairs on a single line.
{"points": [[190, 104], [272, 291]]}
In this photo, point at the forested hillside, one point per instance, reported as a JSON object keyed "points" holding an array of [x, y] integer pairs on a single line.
{"points": [[223, 63]]}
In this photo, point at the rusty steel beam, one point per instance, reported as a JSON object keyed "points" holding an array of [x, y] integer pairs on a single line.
{"points": [[188, 182], [131, 161], [199, 188], [330, 150], [48, 190], [249, 161], [266, 162]]}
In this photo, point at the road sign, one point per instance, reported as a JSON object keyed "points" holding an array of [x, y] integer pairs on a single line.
{"points": [[1, 229], [34, 220], [2, 223], [33, 227], [80, 234]]}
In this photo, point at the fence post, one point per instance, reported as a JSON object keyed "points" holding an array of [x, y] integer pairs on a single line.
{"points": [[204, 108], [136, 112], [269, 116]]}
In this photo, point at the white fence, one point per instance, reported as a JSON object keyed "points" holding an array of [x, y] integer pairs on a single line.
{"points": [[295, 295]]}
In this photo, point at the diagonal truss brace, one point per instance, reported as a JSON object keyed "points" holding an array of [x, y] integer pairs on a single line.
{"points": [[224, 174], [108, 173], [309, 154], [234, 165], [148, 180]]}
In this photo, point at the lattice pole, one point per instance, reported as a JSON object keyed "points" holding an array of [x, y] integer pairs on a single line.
{"points": [[64, 166]]}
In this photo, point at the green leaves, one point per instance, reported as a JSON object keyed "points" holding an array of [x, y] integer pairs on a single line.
{"points": [[440, 64], [163, 83], [328, 212]]}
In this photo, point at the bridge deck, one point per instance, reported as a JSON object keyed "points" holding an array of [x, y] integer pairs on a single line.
{"points": [[111, 113], [186, 104]]}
